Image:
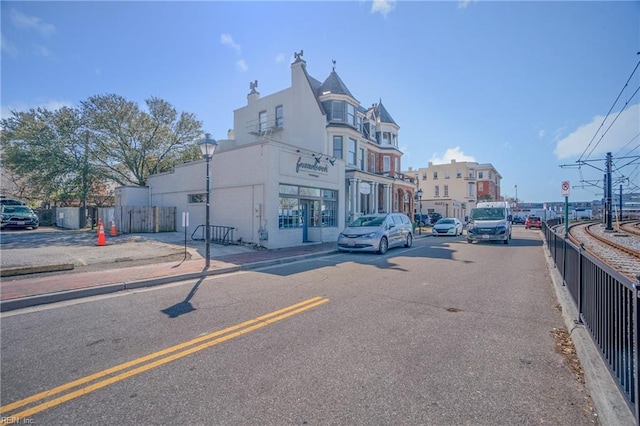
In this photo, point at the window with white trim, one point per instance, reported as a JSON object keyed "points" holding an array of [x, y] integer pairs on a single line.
{"points": [[386, 164]]}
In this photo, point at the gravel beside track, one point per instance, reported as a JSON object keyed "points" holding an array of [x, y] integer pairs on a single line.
{"points": [[627, 263]]}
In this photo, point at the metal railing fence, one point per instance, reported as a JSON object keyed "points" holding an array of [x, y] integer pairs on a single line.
{"points": [[607, 303]]}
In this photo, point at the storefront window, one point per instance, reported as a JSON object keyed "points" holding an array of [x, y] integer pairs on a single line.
{"points": [[322, 204]]}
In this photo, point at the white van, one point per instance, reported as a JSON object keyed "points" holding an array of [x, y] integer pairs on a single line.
{"points": [[490, 221]]}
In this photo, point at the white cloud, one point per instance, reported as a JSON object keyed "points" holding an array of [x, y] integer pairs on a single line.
{"points": [[52, 105], [452, 154], [541, 134], [625, 128], [463, 4], [26, 22], [43, 51], [242, 66], [383, 6], [8, 47], [227, 40], [280, 58]]}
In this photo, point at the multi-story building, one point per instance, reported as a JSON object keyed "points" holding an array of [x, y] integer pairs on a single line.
{"points": [[453, 189], [298, 165]]}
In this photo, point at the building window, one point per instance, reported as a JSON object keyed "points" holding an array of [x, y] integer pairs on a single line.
{"points": [[447, 174], [279, 116], [394, 138], [397, 165], [480, 174], [458, 174], [351, 159], [435, 175], [351, 115], [472, 190], [446, 190], [322, 205], [262, 118], [372, 164], [437, 190], [337, 147], [386, 138], [424, 176], [361, 159], [197, 198], [471, 174], [359, 124], [386, 164], [337, 111], [480, 186]]}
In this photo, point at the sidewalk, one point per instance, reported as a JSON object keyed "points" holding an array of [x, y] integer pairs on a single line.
{"points": [[36, 290]]}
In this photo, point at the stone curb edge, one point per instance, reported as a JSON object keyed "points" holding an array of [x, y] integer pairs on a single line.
{"points": [[43, 299]]}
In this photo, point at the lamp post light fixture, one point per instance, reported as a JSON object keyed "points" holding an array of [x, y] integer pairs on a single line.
{"points": [[208, 147], [419, 194]]}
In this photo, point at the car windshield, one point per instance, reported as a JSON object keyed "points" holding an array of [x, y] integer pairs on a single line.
{"points": [[534, 218], [445, 222], [367, 221], [16, 209], [487, 214]]}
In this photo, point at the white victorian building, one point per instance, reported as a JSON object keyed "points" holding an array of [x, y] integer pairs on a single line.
{"points": [[298, 165]]}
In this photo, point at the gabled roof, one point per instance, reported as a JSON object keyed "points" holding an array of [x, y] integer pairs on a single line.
{"points": [[384, 115], [335, 85]]}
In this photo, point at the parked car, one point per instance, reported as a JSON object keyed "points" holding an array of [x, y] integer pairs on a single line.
{"points": [[377, 233], [18, 216], [434, 217], [533, 222], [421, 219], [11, 202], [518, 220], [448, 226]]}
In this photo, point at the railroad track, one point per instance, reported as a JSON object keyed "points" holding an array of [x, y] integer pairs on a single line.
{"points": [[619, 249], [631, 227]]}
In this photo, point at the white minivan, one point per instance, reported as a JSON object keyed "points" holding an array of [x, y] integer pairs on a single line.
{"points": [[377, 232], [490, 221]]}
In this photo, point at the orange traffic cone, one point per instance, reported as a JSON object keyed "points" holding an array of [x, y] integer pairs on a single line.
{"points": [[102, 240], [114, 231], [99, 225]]}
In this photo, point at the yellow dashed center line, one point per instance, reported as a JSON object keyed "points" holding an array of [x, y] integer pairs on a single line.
{"points": [[162, 357]]}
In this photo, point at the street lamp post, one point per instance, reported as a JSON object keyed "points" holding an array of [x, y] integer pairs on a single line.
{"points": [[419, 193], [208, 147]]}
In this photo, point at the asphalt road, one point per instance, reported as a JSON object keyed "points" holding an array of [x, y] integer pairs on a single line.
{"points": [[444, 333]]}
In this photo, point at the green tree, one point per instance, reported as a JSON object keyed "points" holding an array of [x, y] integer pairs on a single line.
{"points": [[131, 144], [49, 153], [69, 155]]}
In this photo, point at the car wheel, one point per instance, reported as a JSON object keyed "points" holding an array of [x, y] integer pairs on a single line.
{"points": [[384, 245], [469, 241], [409, 242], [506, 241]]}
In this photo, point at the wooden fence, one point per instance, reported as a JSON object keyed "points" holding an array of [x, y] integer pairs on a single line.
{"points": [[139, 219]]}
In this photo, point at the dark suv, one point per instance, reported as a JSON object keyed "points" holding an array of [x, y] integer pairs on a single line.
{"points": [[533, 222], [421, 219]]}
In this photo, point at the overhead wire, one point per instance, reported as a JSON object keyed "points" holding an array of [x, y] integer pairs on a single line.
{"points": [[610, 109]]}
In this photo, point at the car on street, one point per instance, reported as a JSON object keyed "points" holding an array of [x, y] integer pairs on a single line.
{"points": [[518, 220], [11, 202], [434, 217], [421, 219], [533, 222], [377, 233], [448, 226], [18, 216]]}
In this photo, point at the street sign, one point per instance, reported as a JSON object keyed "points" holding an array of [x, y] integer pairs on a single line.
{"points": [[565, 188]]}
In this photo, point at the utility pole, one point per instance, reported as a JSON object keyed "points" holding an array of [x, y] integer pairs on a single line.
{"points": [[607, 194]]}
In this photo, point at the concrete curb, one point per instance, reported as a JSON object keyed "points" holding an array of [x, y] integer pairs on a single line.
{"points": [[24, 270], [273, 262], [47, 298], [611, 406]]}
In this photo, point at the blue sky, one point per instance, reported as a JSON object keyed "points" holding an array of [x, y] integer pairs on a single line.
{"points": [[526, 86]]}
